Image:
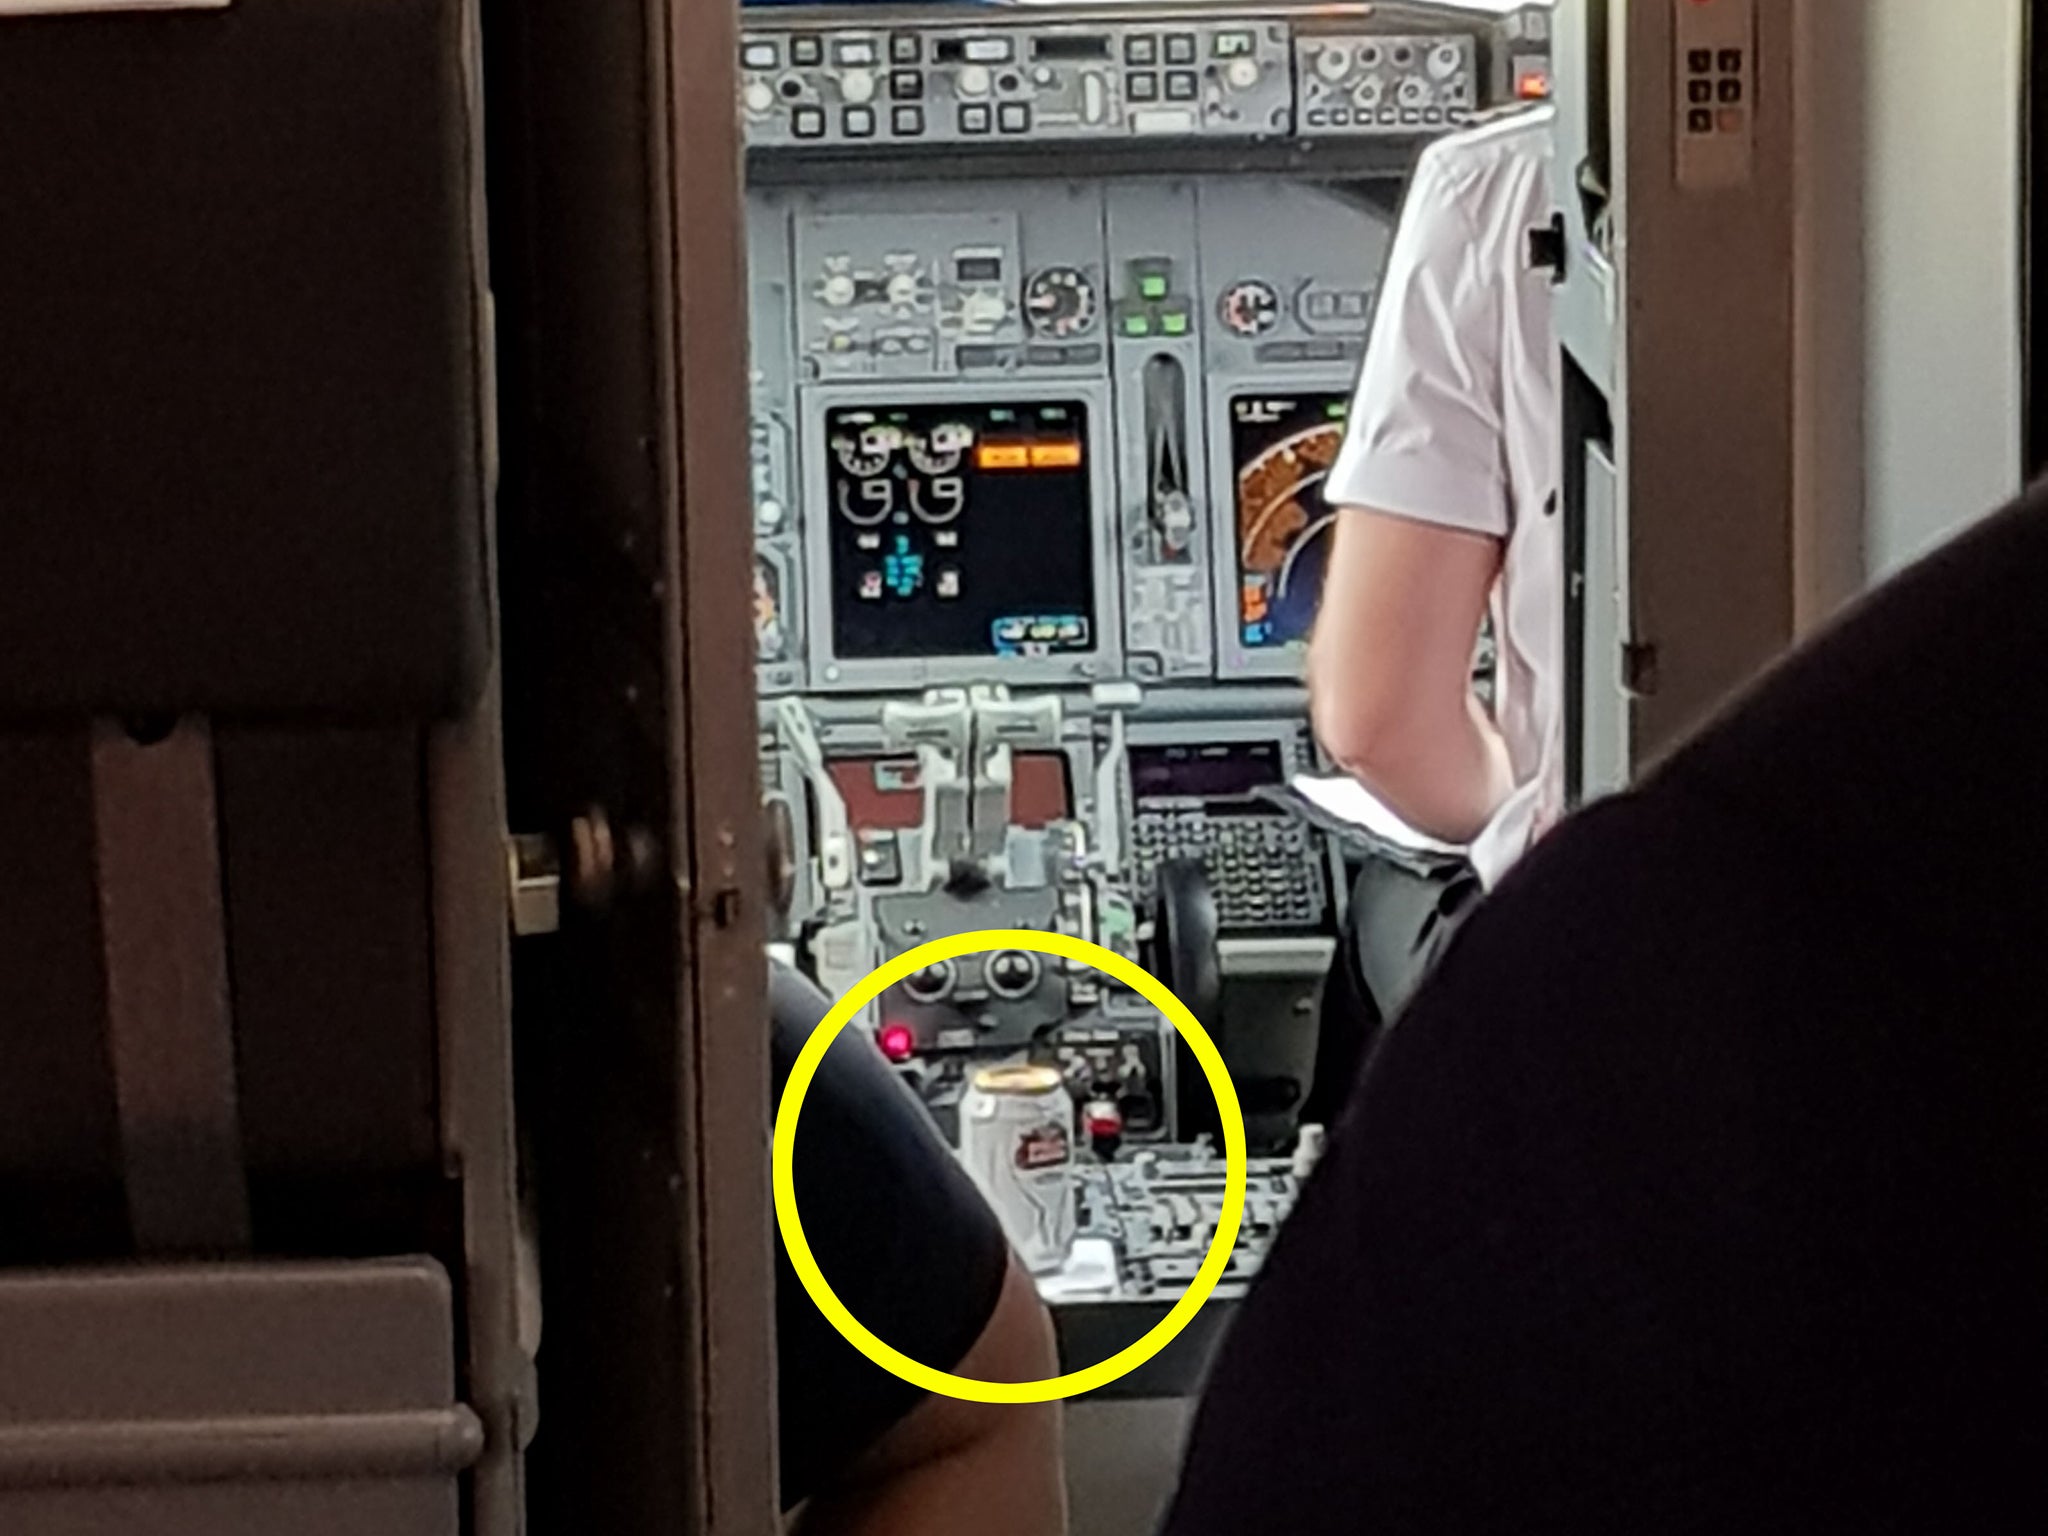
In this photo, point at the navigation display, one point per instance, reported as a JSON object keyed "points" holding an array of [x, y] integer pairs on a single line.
{"points": [[1281, 450], [961, 530]]}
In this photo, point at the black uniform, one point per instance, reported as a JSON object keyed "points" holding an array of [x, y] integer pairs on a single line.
{"points": [[1702, 1188], [898, 1231]]}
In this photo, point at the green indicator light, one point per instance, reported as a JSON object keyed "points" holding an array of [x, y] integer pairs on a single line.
{"points": [[1175, 325], [1137, 325], [1152, 287]]}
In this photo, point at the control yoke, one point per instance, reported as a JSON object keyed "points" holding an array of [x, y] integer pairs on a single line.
{"points": [[1186, 956]]}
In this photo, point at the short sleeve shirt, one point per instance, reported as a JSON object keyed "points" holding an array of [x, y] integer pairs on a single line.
{"points": [[1456, 423]]}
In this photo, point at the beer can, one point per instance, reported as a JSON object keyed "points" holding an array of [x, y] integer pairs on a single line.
{"points": [[1017, 1143]]}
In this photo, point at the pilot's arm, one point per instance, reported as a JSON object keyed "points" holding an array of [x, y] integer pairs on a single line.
{"points": [[910, 1247], [1422, 480]]}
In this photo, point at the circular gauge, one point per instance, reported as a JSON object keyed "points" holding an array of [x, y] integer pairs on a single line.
{"points": [[939, 452], [1061, 303], [867, 454], [1250, 308]]}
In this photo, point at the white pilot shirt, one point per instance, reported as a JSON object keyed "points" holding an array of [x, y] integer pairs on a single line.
{"points": [[1456, 422]]}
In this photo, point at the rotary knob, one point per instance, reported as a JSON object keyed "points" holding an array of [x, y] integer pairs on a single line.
{"points": [[1012, 973], [1334, 62], [933, 984], [1445, 61], [1413, 93], [768, 515], [1368, 95], [838, 290], [759, 98], [857, 86], [903, 290], [1243, 74], [972, 81]]}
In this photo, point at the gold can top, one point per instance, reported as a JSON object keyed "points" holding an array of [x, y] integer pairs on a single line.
{"points": [[1018, 1080]]}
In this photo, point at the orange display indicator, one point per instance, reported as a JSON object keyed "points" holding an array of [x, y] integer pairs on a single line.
{"points": [[1065, 455], [1534, 86], [1003, 456]]}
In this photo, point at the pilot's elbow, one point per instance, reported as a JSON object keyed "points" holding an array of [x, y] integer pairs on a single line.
{"points": [[1360, 736]]}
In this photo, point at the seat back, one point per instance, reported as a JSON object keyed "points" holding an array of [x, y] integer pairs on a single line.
{"points": [[254, 1032]]}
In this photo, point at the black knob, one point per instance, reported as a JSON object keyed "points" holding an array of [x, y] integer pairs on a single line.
{"points": [[932, 984], [1012, 973]]}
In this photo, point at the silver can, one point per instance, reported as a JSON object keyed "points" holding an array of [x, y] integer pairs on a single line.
{"points": [[1017, 1143]]}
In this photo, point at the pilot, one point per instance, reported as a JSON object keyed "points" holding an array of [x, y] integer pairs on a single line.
{"points": [[1448, 481], [911, 1248]]}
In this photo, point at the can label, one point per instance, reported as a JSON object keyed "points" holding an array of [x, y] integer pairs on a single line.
{"points": [[1017, 1144], [1046, 1147]]}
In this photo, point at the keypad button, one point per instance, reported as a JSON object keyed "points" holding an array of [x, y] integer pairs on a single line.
{"points": [[1731, 91], [1141, 50], [1015, 117], [974, 119], [1731, 61], [808, 123], [908, 121], [1699, 120], [1142, 85], [906, 48], [806, 50], [1699, 91], [907, 84], [1180, 49], [1181, 86], [859, 123], [1700, 61]]}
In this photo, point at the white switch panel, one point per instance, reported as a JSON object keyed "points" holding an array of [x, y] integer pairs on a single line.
{"points": [[1714, 101]]}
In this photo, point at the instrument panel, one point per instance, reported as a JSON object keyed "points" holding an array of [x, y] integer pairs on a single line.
{"points": [[1136, 77], [1055, 318], [1076, 434]]}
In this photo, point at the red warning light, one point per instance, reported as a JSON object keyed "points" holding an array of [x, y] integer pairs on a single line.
{"points": [[897, 1042], [1534, 86]]}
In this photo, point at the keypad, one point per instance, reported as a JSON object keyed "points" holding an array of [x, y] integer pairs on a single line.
{"points": [[1262, 869], [1715, 78]]}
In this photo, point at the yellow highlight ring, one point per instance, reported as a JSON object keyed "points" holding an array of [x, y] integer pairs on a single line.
{"points": [[1054, 1388]]}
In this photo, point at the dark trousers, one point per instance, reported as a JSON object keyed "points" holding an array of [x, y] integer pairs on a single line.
{"points": [[1402, 918]]}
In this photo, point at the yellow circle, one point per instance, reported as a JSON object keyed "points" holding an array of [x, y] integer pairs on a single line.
{"points": [[1124, 1361]]}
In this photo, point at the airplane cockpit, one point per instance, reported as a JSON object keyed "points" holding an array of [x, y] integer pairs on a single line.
{"points": [[525, 520], [1055, 318]]}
